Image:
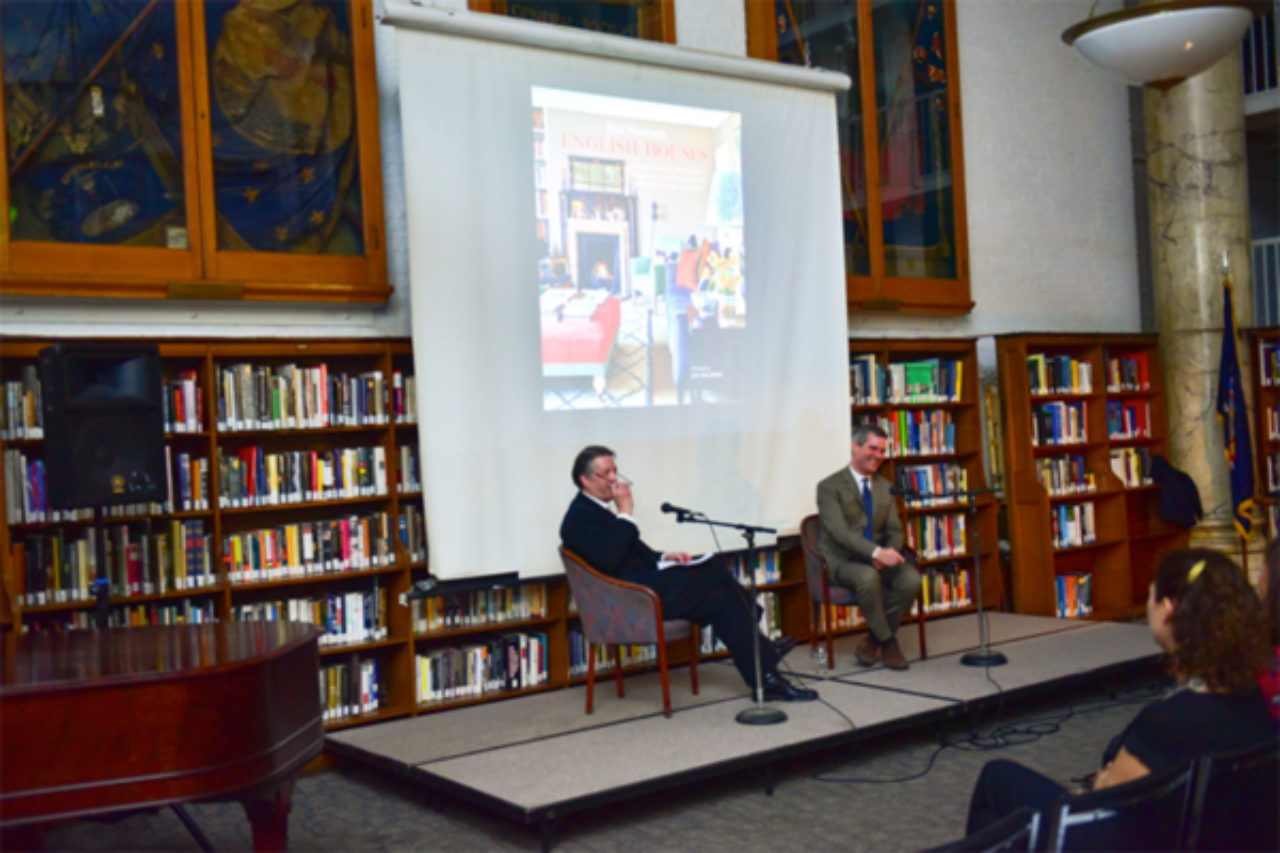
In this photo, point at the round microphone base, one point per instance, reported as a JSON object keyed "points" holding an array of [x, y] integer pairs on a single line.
{"points": [[761, 715], [984, 658]]}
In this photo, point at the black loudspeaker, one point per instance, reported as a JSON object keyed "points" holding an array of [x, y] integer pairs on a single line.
{"points": [[103, 424]]}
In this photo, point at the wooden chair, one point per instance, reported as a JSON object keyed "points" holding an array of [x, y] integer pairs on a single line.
{"points": [[614, 613], [1016, 831], [1233, 806], [822, 595], [1149, 813]]}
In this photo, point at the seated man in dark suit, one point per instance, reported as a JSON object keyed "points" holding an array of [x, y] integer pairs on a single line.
{"points": [[862, 542], [706, 593]]}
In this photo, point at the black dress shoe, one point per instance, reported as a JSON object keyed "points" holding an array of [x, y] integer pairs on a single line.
{"points": [[778, 689], [783, 645]]}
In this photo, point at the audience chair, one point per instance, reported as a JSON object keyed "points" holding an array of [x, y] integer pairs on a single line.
{"points": [[1016, 832], [1149, 813], [615, 613], [822, 595], [1234, 806]]}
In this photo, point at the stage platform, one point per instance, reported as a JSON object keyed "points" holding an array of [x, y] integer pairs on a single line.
{"points": [[536, 758]]}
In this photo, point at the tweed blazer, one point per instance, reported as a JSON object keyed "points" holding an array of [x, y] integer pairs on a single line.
{"points": [[844, 518]]}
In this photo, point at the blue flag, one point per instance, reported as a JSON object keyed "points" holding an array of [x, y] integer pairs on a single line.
{"points": [[1234, 414]]}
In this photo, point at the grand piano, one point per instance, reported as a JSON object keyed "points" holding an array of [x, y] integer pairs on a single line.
{"points": [[102, 721]]}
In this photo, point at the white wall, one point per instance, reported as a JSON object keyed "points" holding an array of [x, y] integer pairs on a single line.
{"points": [[1047, 164]]}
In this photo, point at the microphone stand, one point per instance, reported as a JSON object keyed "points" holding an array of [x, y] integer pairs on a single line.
{"points": [[983, 656], [758, 714]]}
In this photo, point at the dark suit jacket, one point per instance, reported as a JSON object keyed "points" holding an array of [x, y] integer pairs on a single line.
{"points": [[609, 544], [844, 518]]}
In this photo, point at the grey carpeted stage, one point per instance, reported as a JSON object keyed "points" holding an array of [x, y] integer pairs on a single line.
{"points": [[539, 757]]}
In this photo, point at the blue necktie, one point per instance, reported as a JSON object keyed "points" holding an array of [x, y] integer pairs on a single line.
{"points": [[866, 501]]}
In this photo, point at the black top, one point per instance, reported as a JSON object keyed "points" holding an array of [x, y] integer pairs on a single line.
{"points": [[1187, 725], [609, 544]]}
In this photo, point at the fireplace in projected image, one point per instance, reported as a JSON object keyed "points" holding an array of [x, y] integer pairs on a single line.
{"points": [[601, 255]]}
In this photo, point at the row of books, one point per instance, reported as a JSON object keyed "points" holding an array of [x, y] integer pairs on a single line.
{"points": [[1269, 363], [1059, 374], [921, 483], [1130, 372], [1273, 474], [1273, 423], [914, 432], [509, 662], [182, 403], [1074, 595], [348, 618], [1059, 423], [309, 548], [1132, 465], [479, 607], [23, 407], [945, 587], [254, 477], [765, 567], [632, 655], [349, 687], [27, 497], [185, 612], [1074, 524], [166, 557], [1065, 475], [937, 536], [929, 380], [1129, 420], [407, 478], [291, 396]]}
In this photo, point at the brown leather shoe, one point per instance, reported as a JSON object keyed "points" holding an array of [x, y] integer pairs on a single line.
{"points": [[868, 652], [892, 655]]}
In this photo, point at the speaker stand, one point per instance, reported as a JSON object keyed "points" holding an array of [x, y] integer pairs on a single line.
{"points": [[101, 583], [984, 655]]}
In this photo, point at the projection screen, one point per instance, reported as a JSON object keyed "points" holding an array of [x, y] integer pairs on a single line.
{"points": [[606, 247]]}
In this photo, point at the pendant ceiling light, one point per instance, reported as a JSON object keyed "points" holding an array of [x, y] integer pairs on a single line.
{"points": [[1162, 44]]}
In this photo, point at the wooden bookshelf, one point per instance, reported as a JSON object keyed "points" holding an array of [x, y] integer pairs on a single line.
{"points": [[925, 394], [1265, 346], [244, 537], [230, 519], [1083, 415]]}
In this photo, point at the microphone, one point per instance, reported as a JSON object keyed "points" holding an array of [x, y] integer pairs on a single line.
{"points": [[680, 511]]}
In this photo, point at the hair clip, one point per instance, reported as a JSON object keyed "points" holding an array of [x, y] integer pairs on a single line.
{"points": [[1195, 572]]}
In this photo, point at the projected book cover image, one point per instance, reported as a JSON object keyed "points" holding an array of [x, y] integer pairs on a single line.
{"points": [[639, 217]]}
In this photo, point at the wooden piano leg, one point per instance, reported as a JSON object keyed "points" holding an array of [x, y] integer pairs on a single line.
{"points": [[269, 816]]}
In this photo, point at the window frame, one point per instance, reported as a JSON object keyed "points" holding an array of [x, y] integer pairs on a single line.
{"points": [[880, 291], [203, 271]]}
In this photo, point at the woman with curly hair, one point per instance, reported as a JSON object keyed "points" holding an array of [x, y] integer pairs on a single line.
{"points": [[1269, 592], [1208, 619]]}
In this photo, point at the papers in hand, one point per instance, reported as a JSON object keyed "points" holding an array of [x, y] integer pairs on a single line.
{"points": [[663, 565]]}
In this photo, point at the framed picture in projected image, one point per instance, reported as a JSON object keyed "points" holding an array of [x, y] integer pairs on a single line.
{"points": [[638, 211]]}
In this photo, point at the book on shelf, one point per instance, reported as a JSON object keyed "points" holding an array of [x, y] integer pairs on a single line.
{"points": [[1074, 595], [23, 407], [630, 655], [1269, 362], [1130, 372], [348, 618], [1128, 420], [349, 687], [938, 536], [1060, 423], [1058, 374], [945, 587], [932, 485], [498, 664], [1132, 465], [479, 607], [867, 379], [1065, 475], [930, 380], [1074, 524]]}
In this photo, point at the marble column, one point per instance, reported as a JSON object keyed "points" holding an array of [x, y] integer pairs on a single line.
{"points": [[1197, 192]]}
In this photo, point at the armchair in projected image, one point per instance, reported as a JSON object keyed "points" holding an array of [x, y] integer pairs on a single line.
{"points": [[579, 332], [822, 594], [615, 613]]}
